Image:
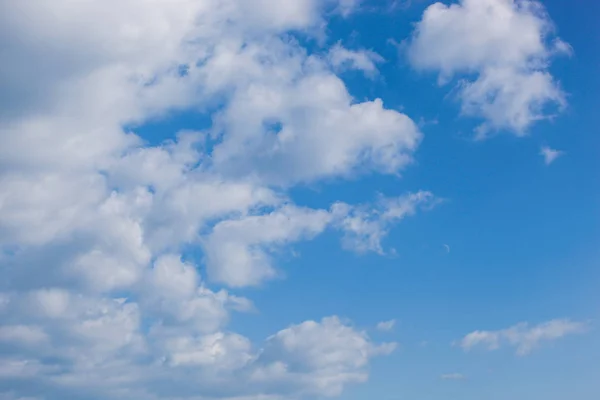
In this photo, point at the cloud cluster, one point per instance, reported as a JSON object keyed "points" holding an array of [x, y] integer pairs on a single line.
{"points": [[98, 298], [502, 48]]}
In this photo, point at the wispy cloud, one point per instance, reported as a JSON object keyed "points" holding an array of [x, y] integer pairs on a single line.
{"points": [[386, 326], [550, 155], [522, 336]]}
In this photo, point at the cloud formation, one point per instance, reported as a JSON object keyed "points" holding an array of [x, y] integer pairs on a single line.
{"points": [[99, 296], [112, 244], [362, 60], [501, 50]]}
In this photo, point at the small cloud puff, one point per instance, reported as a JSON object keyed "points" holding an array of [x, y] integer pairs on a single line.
{"points": [[550, 155]]}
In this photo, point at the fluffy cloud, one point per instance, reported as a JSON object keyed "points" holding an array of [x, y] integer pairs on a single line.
{"points": [[503, 47], [98, 350], [307, 128], [522, 336], [237, 250], [97, 300], [112, 201], [323, 356], [175, 295]]}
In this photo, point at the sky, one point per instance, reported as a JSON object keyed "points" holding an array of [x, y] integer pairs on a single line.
{"points": [[305, 199]]}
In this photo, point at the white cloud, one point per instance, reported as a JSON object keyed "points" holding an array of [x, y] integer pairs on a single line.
{"points": [[237, 251], [113, 202], [365, 227], [171, 277], [503, 47], [523, 337], [21, 334], [93, 221], [362, 60], [325, 355], [83, 332], [176, 296], [49, 303], [107, 356], [550, 155], [19, 369], [217, 350], [307, 128], [386, 326]]}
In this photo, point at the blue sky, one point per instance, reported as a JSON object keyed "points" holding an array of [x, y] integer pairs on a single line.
{"points": [[339, 199]]}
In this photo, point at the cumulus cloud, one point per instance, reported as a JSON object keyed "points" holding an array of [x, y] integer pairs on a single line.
{"points": [[237, 251], [99, 349], [309, 128], [502, 49], [98, 299], [176, 296], [326, 355], [523, 337]]}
